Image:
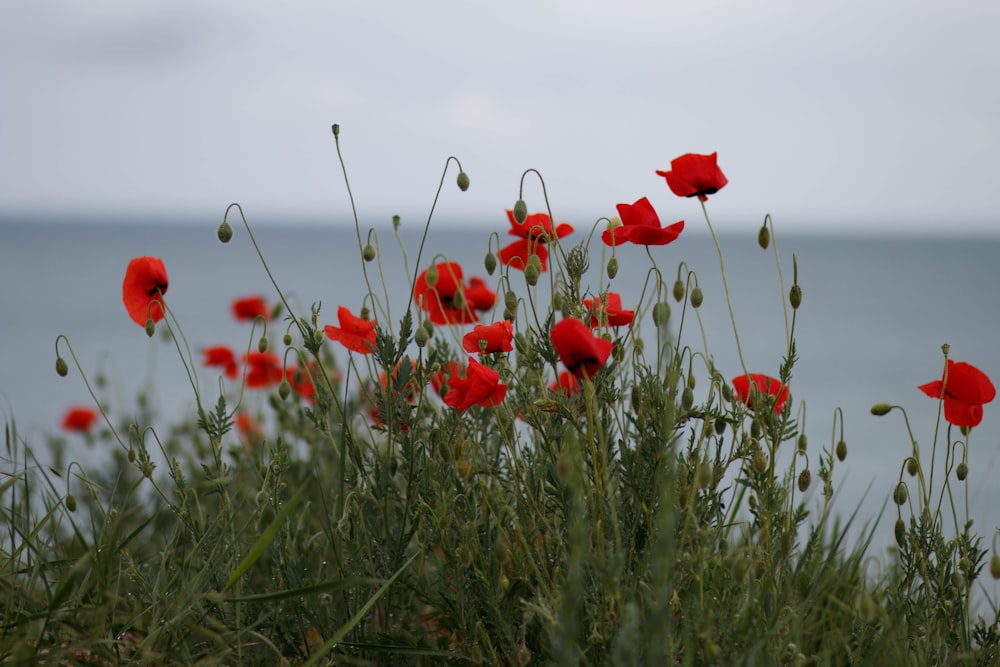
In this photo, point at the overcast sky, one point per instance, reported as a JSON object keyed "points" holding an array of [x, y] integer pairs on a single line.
{"points": [[844, 114]]}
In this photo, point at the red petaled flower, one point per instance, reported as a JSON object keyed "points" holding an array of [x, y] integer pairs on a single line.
{"points": [[641, 225], [354, 333], [250, 307], [964, 389], [496, 337], [608, 312], [694, 175], [534, 232], [249, 428], [143, 289], [439, 379], [578, 348], [450, 300], [221, 356], [263, 369], [79, 419], [566, 383], [480, 386], [765, 386], [300, 380]]}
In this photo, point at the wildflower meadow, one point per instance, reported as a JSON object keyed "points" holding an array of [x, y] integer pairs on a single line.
{"points": [[523, 466]]}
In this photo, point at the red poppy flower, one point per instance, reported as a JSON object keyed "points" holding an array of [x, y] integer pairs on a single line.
{"points": [[693, 175], [566, 383], [263, 369], [301, 382], [534, 232], [447, 302], [143, 289], [641, 225], [250, 307], [354, 333], [249, 428], [497, 337], [578, 348], [221, 356], [79, 419], [608, 311], [766, 385], [964, 389], [480, 386], [439, 379], [479, 295]]}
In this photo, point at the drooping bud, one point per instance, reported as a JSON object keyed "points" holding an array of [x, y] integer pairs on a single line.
{"points": [[463, 181], [509, 314], [287, 339], [532, 271], [962, 471], [912, 467], [70, 502], [612, 267], [900, 494], [995, 566], [802, 443], [841, 450], [520, 343], [284, 389], [900, 532], [150, 327], [720, 425], [225, 231], [764, 237], [795, 297], [755, 429], [661, 313], [727, 393], [428, 327], [262, 345], [557, 301], [881, 409], [368, 253], [520, 211], [697, 297], [62, 368], [395, 223], [687, 398], [431, 275], [805, 478], [679, 290], [490, 263]]}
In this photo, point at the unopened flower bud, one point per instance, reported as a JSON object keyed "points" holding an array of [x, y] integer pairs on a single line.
{"points": [[520, 211], [795, 297], [70, 502], [661, 313], [147, 469], [705, 475], [841, 450], [962, 471], [697, 297], [727, 393], [131, 455], [368, 253], [284, 389], [262, 345], [912, 467], [431, 275], [287, 339], [319, 338], [225, 231], [420, 337], [463, 181], [805, 478], [755, 429], [428, 327], [509, 314], [520, 343], [62, 368], [880, 409], [490, 262], [687, 398], [760, 461], [395, 222], [995, 566], [720, 425], [764, 237], [531, 272], [612, 267], [802, 443], [679, 290], [365, 313], [900, 494], [150, 327], [900, 532]]}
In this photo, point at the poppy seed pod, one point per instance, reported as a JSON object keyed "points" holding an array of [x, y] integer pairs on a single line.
{"points": [[841, 450], [612, 267], [368, 253], [62, 368], [679, 290], [764, 237], [520, 211], [490, 263], [462, 181], [225, 231], [697, 297]]}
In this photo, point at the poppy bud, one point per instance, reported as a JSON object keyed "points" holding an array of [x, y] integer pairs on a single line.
{"points": [[463, 181], [147, 469], [225, 231], [841, 450], [900, 532], [679, 290], [727, 393], [661, 313], [995, 566], [705, 475], [395, 222], [880, 409], [520, 211], [366, 314], [335, 129], [697, 297], [490, 262], [520, 343], [531, 272], [764, 237], [805, 478], [420, 337], [687, 398], [795, 297], [262, 345], [509, 314], [70, 502], [287, 339], [720, 425], [612, 267], [368, 253], [428, 327], [755, 429], [912, 466], [760, 461], [150, 327], [900, 495], [131, 455], [319, 338], [284, 389], [962, 471], [62, 368], [431, 275]]}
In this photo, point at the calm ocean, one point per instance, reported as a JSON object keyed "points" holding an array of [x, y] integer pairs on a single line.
{"points": [[874, 315]]}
